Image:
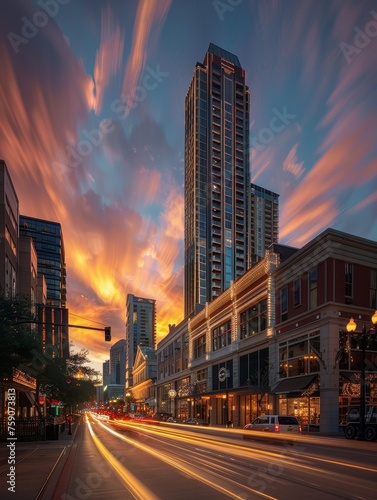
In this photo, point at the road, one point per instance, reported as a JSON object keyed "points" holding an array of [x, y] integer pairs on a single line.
{"points": [[132, 460], [170, 462]]}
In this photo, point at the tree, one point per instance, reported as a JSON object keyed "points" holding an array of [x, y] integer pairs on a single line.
{"points": [[18, 338], [69, 380]]}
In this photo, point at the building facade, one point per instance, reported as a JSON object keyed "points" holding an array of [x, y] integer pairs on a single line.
{"points": [[275, 341], [217, 186], [140, 330], [9, 214], [48, 241], [264, 221], [144, 375]]}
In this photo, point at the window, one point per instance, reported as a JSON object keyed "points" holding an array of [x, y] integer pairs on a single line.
{"points": [[284, 303], [348, 279], [313, 285], [253, 320], [202, 374], [199, 347], [373, 289], [297, 292], [296, 357], [221, 336]]}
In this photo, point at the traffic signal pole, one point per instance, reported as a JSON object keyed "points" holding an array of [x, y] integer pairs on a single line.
{"points": [[107, 329]]}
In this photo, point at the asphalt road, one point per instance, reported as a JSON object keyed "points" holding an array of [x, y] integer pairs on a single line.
{"points": [[134, 460]]}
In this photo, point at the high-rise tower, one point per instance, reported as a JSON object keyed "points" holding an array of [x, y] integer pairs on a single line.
{"points": [[53, 315], [48, 241], [140, 329], [216, 177], [264, 221]]}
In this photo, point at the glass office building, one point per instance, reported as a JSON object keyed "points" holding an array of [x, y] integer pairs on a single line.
{"points": [[48, 241]]}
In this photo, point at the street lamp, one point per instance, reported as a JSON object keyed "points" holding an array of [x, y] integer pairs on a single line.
{"points": [[363, 338]]}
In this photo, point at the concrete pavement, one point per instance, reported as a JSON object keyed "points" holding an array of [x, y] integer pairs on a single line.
{"points": [[31, 470]]}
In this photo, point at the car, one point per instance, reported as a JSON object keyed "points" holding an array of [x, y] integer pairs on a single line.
{"points": [[174, 420], [275, 423], [195, 421]]}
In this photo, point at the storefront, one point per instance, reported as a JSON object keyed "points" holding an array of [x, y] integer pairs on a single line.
{"points": [[299, 396]]}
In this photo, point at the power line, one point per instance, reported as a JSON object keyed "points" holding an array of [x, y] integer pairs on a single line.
{"points": [[86, 319]]}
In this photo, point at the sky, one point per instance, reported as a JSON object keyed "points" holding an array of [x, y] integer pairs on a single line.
{"points": [[92, 99]]}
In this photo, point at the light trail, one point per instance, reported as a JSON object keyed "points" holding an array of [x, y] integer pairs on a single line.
{"points": [[189, 469], [135, 486], [216, 445]]}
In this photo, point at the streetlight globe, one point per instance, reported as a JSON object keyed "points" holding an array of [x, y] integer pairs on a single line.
{"points": [[374, 318], [351, 326]]}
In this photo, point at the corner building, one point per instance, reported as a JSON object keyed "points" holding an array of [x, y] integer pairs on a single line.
{"points": [[275, 341], [217, 186]]}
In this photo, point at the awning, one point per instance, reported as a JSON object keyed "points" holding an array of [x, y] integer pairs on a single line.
{"points": [[297, 384]]}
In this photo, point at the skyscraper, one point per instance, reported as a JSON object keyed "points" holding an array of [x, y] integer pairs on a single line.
{"points": [[48, 241], [264, 221], [217, 186], [53, 316], [140, 329]]}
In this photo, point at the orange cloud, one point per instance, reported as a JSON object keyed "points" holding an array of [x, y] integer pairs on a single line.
{"points": [[109, 56], [149, 13], [314, 204]]}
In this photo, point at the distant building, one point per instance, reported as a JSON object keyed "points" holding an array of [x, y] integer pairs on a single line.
{"points": [[217, 186], [140, 330], [106, 373], [264, 221], [117, 363], [144, 377]]}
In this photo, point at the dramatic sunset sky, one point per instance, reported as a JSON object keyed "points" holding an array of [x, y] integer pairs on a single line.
{"points": [[123, 67]]}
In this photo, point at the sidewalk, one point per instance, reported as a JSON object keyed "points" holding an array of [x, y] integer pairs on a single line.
{"points": [[36, 466]]}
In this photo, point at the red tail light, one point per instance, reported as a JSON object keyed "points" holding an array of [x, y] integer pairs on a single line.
{"points": [[277, 428]]}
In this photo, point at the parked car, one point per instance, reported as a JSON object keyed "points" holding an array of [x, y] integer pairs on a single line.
{"points": [[174, 420], [195, 421], [162, 416], [275, 423]]}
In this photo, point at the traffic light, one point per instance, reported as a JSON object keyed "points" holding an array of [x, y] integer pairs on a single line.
{"points": [[108, 333]]}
